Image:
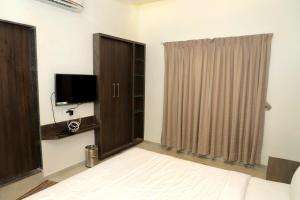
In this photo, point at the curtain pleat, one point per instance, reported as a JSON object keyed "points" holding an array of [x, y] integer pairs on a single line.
{"points": [[215, 92]]}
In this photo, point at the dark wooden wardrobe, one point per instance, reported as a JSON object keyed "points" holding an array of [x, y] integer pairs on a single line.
{"points": [[120, 68], [20, 147]]}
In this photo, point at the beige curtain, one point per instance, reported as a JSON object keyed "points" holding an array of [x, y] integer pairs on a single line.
{"points": [[215, 92]]}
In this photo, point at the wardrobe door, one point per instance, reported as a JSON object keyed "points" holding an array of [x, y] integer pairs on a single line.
{"points": [[108, 139], [113, 65], [20, 152], [124, 92]]}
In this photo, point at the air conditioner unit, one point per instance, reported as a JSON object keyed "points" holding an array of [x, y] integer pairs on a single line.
{"points": [[74, 5]]}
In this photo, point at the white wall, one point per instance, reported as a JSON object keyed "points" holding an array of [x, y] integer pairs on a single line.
{"points": [[64, 45], [172, 20]]}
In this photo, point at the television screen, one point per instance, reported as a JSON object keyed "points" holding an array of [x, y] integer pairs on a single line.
{"points": [[72, 89]]}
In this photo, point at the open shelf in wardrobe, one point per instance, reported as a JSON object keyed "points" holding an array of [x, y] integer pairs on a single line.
{"points": [[139, 92]]}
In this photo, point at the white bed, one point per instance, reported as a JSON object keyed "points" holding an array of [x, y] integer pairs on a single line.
{"points": [[139, 174], [259, 189]]}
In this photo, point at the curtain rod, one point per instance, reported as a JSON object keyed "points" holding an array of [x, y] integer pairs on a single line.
{"points": [[162, 43]]}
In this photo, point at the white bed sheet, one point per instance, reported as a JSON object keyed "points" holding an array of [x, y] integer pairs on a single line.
{"points": [[259, 189], [139, 174]]}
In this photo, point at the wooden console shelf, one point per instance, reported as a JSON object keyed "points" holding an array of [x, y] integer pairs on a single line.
{"points": [[59, 130]]}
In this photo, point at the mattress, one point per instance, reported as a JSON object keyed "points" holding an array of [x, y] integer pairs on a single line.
{"points": [[139, 174], [259, 189]]}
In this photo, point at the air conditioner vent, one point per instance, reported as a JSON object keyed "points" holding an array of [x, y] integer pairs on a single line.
{"points": [[74, 5]]}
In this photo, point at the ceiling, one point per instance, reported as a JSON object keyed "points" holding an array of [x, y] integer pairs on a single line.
{"points": [[138, 1]]}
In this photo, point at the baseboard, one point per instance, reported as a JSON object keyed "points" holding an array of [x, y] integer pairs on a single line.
{"points": [[19, 177], [218, 159], [64, 170]]}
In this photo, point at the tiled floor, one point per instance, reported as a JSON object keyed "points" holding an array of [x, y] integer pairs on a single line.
{"points": [[17, 189]]}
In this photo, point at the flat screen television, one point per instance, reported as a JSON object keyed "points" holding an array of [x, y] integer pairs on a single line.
{"points": [[74, 88]]}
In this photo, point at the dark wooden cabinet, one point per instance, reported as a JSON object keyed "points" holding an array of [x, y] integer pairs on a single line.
{"points": [[20, 146], [115, 109]]}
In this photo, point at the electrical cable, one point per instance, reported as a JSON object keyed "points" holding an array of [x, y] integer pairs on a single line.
{"points": [[74, 126], [53, 115]]}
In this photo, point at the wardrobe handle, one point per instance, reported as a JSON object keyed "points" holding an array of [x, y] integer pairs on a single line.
{"points": [[114, 85], [118, 85]]}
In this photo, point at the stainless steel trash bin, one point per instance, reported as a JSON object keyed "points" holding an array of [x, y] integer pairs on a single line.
{"points": [[91, 155]]}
